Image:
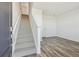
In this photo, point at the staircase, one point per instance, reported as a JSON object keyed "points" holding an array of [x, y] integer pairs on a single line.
{"points": [[25, 42]]}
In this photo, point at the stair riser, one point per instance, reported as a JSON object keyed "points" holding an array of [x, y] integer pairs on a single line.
{"points": [[20, 41], [24, 33], [25, 53], [29, 35], [19, 46]]}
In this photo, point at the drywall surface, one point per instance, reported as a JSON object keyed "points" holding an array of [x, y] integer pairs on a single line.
{"points": [[37, 15], [15, 12], [16, 17], [36, 26], [67, 25], [49, 26], [24, 8], [38, 18]]}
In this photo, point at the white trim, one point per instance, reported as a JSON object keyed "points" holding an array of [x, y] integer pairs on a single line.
{"points": [[67, 38]]}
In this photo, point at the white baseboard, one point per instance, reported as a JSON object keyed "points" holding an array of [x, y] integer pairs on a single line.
{"points": [[67, 38]]}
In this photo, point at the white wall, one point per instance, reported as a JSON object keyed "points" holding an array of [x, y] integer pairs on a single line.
{"points": [[68, 25], [24, 8], [65, 25], [15, 12], [37, 15], [49, 25], [36, 26], [16, 17]]}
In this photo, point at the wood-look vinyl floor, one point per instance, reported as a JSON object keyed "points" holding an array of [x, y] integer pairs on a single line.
{"points": [[58, 47]]}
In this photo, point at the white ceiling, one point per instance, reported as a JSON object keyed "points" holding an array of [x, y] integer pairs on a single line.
{"points": [[56, 8]]}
